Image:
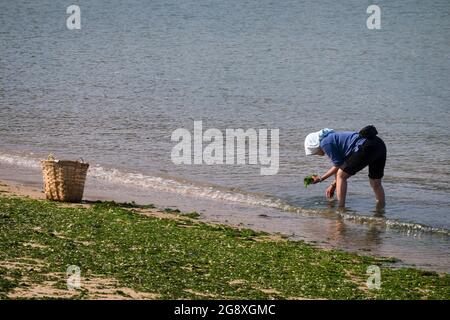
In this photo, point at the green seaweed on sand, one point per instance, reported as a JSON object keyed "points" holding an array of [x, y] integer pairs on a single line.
{"points": [[113, 204], [173, 211], [192, 215], [184, 258]]}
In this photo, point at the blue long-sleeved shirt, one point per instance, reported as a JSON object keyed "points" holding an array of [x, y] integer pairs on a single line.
{"points": [[340, 145]]}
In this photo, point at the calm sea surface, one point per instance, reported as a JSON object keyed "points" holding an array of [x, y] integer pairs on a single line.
{"points": [[114, 91]]}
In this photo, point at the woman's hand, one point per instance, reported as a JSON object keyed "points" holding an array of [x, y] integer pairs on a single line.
{"points": [[316, 179], [330, 191]]}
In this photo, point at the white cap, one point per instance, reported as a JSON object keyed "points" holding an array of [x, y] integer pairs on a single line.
{"points": [[312, 141]]}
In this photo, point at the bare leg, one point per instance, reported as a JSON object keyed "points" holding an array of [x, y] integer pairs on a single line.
{"points": [[379, 192], [341, 187]]}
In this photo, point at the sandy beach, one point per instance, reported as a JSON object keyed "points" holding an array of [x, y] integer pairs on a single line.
{"points": [[17, 189], [94, 287], [33, 262]]}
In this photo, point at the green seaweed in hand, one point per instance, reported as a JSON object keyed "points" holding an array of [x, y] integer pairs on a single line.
{"points": [[308, 180]]}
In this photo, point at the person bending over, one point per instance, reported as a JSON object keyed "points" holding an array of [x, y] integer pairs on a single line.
{"points": [[349, 152]]}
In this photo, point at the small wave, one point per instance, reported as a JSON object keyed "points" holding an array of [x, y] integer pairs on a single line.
{"points": [[20, 161], [410, 228], [182, 187], [188, 188]]}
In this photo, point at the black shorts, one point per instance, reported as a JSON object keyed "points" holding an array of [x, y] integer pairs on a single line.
{"points": [[372, 153]]}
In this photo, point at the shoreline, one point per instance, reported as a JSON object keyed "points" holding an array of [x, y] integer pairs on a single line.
{"points": [[417, 250], [51, 224]]}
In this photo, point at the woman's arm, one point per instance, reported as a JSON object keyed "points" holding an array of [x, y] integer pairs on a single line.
{"points": [[332, 171], [329, 192]]}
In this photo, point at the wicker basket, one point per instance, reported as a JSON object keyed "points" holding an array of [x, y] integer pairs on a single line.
{"points": [[64, 180]]}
